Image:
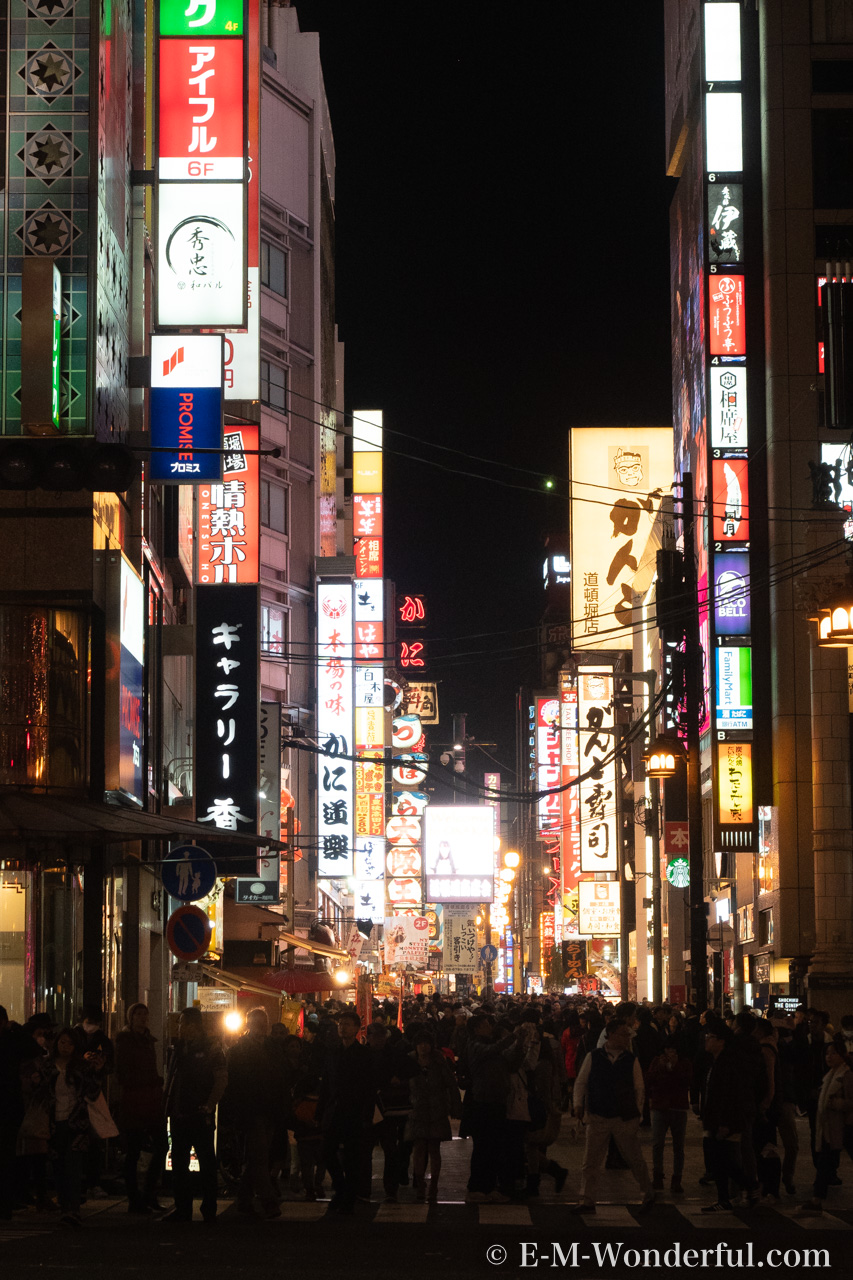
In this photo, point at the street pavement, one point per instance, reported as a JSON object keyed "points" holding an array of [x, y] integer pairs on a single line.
{"points": [[452, 1237]]}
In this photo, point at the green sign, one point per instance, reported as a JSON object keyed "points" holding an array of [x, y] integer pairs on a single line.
{"points": [[201, 18], [678, 873], [57, 329]]}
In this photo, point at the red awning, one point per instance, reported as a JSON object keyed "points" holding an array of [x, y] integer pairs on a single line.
{"points": [[283, 981]]}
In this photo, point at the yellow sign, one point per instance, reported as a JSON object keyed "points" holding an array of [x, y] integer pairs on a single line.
{"points": [[599, 909], [735, 774], [367, 473]]}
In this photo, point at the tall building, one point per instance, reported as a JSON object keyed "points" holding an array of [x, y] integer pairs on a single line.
{"points": [[131, 227], [759, 103]]}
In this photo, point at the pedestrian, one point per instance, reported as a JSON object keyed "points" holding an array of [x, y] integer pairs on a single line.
{"points": [[833, 1121], [727, 1109], [569, 1042], [196, 1080], [609, 1096], [68, 1084], [764, 1132], [668, 1082], [435, 1099], [140, 1114], [490, 1058], [252, 1102], [16, 1048], [393, 1069], [346, 1107], [545, 1106], [306, 1124], [97, 1050], [790, 1049]]}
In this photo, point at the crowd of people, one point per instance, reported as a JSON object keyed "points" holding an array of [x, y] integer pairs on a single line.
{"points": [[294, 1110]]}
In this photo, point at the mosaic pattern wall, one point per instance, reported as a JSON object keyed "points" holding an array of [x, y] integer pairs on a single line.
{"points": [[49, 211]]}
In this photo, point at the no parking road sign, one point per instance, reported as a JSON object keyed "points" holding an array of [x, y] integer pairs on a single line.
{"points": [[188, 933]]}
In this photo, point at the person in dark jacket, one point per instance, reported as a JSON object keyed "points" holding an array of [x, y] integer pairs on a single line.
{"points": [[68, 1084], [609, 1095], [196, 1080], [726, 1112], [435, 1098], [392, 1068], [668, 1083], [140, 1115], [649, 1039], [97, 1050], [254, 1096], [490, 1058], [346, 1106]]}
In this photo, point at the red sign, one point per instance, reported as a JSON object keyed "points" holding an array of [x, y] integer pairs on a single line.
{"points": [[229, 534], [731, 500], [367, 515], [369, 642], [676, 839], [411, 610], [188, 933], [368, 557], [727, 317], [411, 653], [201, 109]]}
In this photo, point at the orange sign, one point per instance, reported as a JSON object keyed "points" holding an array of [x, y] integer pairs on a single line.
{"points": [[229, 534]]}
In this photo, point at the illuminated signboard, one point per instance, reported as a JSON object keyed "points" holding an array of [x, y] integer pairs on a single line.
{"points": [[411, 655], [132, 643], [366, 514], [726, 315], [201, 110], [460, 853], [734, 687], [735, 782], [186, 408], [227, 731], [678, 872], [722, 42], [728, 408], [422, 699], [599, 909], [201, 18], [548, 772], [597, 798], [732, 610], [368, 557], [228, 514], [731, 500], [725, 223], [200, 279], [55, 373], [723, 132], [411, 610], [618, 476], [335, 725], [242, 350]]}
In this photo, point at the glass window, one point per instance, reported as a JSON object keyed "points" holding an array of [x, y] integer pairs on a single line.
{"points": [[273, 386], [274, 268], [274, 506], [272, 631]]}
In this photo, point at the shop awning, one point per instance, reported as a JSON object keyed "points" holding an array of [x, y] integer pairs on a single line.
{"points": [[31, 817], [263, 981]]}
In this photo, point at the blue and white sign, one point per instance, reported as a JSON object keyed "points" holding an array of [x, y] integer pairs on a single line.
{"points": [[489, 954], [188, 873], [186, 408]]}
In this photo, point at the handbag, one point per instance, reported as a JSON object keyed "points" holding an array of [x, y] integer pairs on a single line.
{"points": [[36, 1123], [100, 1118]]}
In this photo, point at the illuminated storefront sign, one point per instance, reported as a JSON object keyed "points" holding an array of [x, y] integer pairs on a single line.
{"points": [[726, 315], [186, 408], [725, 223], [734, 687], [599, 909], [735, 782], [548, 772], [335, 729], [597, 798], [570, 862], [229, 514], [728, 408], [723, 132], [460, 853], [618, 476], [731, 500], [200, 258], [201, 110], [227, 716], [722, 42], [732, 609], [132, 645]]}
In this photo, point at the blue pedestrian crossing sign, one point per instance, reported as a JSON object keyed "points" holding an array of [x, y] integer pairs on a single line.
{"points": [[188, 873]]}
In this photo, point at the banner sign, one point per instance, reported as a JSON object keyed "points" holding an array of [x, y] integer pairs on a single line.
{"points": [[597, 798], [335, 729], [599, 909], [406, 940], [186, 408], [460, 945], [229, 530]]}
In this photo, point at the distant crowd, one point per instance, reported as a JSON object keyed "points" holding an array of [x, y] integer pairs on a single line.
{"points": [[295, 1110]]}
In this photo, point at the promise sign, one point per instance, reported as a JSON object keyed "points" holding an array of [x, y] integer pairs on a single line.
{"points": [[202, 173]]}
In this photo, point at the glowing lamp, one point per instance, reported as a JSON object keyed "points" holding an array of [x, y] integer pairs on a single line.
{"points": [[662, 757], [233, 1021], [342, 977], [512, 859], [835, 624], [507, 875]]}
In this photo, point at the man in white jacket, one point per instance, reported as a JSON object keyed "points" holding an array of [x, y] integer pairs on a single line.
{"points": [[609, 1095]]}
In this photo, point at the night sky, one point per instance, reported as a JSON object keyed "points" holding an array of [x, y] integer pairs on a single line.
{"points": [[502, 275]]}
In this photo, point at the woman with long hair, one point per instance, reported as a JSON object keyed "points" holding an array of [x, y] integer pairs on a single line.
{"points": [[68, 1085]]}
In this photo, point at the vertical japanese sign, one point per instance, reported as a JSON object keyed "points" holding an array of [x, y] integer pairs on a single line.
{"points": [[227, 697], [186, 408], [269, 790], [229, 533], [599, 909], [460, 945], [335, 729], [735, 783], [618, 476], [548, 755], [569, 799], [597, 799], [132, 645], [201, 169], [242, 350]]}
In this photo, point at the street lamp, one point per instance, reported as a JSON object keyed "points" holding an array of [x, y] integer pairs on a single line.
{"points": [[835, 623], [662, 756]]}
